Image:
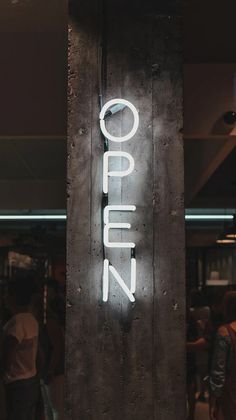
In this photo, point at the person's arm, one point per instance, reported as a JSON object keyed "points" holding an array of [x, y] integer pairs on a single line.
{"points": [[200, 344], [218, 369]]}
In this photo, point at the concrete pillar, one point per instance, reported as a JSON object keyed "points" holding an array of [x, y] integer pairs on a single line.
{"points": [[126, 360]]}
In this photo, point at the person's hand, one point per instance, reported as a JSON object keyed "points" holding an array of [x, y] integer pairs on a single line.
{"points": [[213, 409]]}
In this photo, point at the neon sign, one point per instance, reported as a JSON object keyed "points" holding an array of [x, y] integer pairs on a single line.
{"points": [[116, 105]]}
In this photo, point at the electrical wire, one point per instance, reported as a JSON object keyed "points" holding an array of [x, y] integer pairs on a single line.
{"points": [[102, 77]]}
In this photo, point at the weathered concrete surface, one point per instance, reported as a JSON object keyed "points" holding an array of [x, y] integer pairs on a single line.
{"points": [[126, 361]]}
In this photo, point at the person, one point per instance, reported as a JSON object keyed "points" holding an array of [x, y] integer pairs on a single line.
{"points": [[207, 339], [200, 311], [223, 370], [192, 335], [51, 344], [2, 389], [20, 344]]}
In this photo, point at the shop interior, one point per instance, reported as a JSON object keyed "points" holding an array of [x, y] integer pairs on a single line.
{"points": [[210, 177], [33, 155]]}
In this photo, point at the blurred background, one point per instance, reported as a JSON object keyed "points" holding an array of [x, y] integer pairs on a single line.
{"points": [[33, 119]]}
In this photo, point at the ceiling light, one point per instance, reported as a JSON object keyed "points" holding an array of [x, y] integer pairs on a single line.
{"points": [[231, 235], [222, 239], [209, 217], [13, 217], [231, 231], [226, 241]]}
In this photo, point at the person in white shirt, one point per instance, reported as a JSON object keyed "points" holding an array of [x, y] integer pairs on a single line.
{"points": [[20, 345]]}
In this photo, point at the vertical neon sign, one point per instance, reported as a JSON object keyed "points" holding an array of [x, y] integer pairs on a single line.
{"points": [[107, 267]]}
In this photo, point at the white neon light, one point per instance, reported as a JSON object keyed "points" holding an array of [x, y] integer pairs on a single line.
{"points": [[33, 217], [109, 268], [105, 280], [64, 217], [133, 275], [114, 106], [209, 217], [107, 173], [118, 225], [103, 125]]}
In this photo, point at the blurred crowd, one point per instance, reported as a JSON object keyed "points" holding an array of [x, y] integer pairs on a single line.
{"points": [[211, 353], [32, 354]]}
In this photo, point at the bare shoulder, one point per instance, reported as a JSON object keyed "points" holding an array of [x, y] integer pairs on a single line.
{"points": [[223, 331], [233, 325]]}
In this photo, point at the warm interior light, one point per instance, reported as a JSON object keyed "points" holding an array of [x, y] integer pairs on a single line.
{"points": [[226, 241], [231, 235]]}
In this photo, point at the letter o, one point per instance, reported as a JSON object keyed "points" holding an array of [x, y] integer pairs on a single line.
{"points": [[102, 121]]}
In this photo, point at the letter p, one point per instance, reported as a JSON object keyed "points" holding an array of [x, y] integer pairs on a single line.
{"points": [[107, 173]]}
